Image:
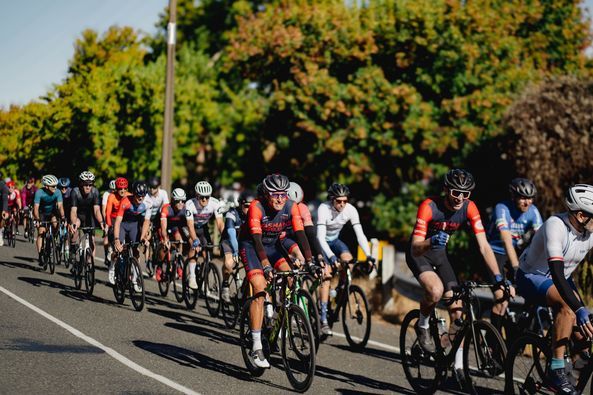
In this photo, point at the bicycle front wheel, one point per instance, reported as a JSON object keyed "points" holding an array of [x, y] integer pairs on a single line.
{"points": [[305, 302], [356, 318], [298, 349], [165, 278], [190, 296], [50, 255], [136, 285], [526, 371], [13, 231], [119, 288], [89, 272], [77, 272], [230, 310], [212, 288], [246, 341], [177, 288], [484, 354]]}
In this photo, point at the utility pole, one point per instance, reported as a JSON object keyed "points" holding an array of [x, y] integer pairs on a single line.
{"points": [[167, 159]]}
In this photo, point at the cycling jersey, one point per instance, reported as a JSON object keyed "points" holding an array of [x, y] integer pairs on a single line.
{"points": [[104, 198], [134, 212], [433, 217], [14, 198], [28, 195], [85, 205], [67, 202], [330, 223], [174, 219], [113, 203], [508, 217], [157, 201], [556, 240], [47, 202], [201, 215], [269, 223], [233, 220]]}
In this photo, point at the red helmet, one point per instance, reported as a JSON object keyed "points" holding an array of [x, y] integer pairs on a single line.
{"points": [[121, 183], [10, 184]]}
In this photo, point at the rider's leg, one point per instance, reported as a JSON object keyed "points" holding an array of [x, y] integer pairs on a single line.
{"points": [[499, 307]]}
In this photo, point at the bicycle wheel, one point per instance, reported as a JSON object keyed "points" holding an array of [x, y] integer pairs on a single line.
{"points": [[230, 310], [246, 341], [212, 287], [298, 349], [50, 255], [89, 272], [356, 318], [119, 288], [308, 284], [177, 289], [190, 296], [56, 249], [483, 358], [305, 301], [137, 294], [165, 278], [525, 360], [13, 231], [420, 367], [77, 268]]}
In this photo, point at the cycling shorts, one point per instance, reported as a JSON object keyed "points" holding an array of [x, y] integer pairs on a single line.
{"points": [[288, 245], [129, 232], [44, 217], [226, 247], [86, 220], [338, 247], [433, 261], [534, 287], [252, 263], [203, 235]]}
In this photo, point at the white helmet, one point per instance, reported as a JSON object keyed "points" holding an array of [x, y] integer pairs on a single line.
{"points": [[579, 197], [178, 194], [112, 184], [203, 188], [49, 180], [86, 176], [295, 192]]}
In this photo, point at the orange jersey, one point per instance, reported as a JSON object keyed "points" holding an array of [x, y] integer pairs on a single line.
{"points": [[433, 217], [271, 224], [112, 208]]}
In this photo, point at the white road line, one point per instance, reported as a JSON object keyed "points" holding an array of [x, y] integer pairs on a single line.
{"points": [[371, 342], [131, 364]]}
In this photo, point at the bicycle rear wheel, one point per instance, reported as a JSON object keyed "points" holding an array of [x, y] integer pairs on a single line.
{"points": [[212, 288], [89, 272], [190, 296], [136, 285], [356, 318], [298, 349], [305, 301], [526, 366], [246, 342], [421, 369]]}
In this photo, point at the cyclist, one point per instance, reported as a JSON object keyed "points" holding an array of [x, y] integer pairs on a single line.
{"points": [[172, 223], [106, 245], [545, 269], [113, 203], [64, 186], [131, 224], [437, 219], [513, 222], [27, 197], [332, 215], [266, 220], [156, 197], [198, 212], [47, 207], [85, 205], [5, 213], [14, 202], [233, 220]]}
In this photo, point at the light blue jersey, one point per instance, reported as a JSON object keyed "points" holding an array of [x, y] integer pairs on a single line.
{"points": [[48, 203], [508, 217]]}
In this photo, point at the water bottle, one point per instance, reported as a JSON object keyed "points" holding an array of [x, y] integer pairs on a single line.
{"points": [[239, 287], [269, 308], [333, 293], [443, 335], [454, 328], [66, 251]]}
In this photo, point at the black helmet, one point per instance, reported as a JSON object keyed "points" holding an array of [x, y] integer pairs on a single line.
{"points": [[275, 183], [259, 190], [64, 182], [337, 190], [246, 197], [523, 187], [154, 182], [139, 188], [460, 179]]}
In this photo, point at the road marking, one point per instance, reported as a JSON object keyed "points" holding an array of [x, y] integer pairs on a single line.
{"points": [[131, 364], [371, 342]]}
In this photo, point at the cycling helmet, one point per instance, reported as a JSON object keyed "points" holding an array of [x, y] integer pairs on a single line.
{"points": [[178, 194], [246, 197], [203, 188], [337, 190], [523, 187], [139, 188], [259, 190], [154, 182], [112, 184], [121, 183], [295, 192], [579, 197], [275, 183], [10, 184], [64, 182], [86, 176], [49, 180], [460, 179]]}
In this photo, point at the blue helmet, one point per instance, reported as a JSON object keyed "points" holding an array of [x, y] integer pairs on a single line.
{"points": [[64, 182]]}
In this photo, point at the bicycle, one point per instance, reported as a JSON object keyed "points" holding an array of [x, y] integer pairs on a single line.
{"points": [[484, 351], [30, 228], [10, 229], [173, 261], [151, 251], [48, 254], [128, 275], [232, 309], [209, 282], [351, 301], [288, 323], [84, 265]]}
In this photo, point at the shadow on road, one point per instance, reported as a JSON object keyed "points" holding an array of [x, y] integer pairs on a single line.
{"points": [[389, 356], [21, 265], [29, 345], [180, 316], [210, 334], [357, 379]]}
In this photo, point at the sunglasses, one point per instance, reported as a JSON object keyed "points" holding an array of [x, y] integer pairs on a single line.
{"points": [[87, 185], [458, 193], [204, 197], [341, 201], [278, 195]]}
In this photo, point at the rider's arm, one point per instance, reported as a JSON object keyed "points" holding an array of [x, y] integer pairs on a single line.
{"points": [[507, 240], [313, 240], [164, 221], [421, 244], [323, 215], [73, 215], [229, 225], [108, 210], [562, 284], [502, 217], [145, 228], [60, 203], [104, 201], [36, 211], [473, 215], [189, 218], [19, 202], [299, 232], [254, 217], [116, 227], [98, 213], [360, 236]]}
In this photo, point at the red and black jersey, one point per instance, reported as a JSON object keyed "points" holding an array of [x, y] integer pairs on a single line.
{"points": [[433, 217], [174, 219], [263, 220]]}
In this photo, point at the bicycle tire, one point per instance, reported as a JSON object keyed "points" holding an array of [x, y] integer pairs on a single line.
{"points": [[165, 278], [230, 310], [212, 288], [299, 339], [89, 272], [50, 258], [137, 297], [177, 290], [55, 250], [360, 316], [13, 231], [246, 341], [308, 282], [77, 268], [190, 296], [522, 376], [420, 368], [306, 302], [119, 288], [488, 357]]}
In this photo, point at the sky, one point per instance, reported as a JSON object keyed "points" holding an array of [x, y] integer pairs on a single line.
{"points": [[37, 38]]}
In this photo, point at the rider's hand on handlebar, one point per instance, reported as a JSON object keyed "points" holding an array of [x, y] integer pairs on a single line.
{"points": [[268, 271], [118, 246], [584, 323]]}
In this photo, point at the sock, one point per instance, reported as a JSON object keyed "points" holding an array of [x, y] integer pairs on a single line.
{"points": [[192, 268], [256, 336], [459, 358], [423, 321], [557, 363], [323, 312], [496, 320]]}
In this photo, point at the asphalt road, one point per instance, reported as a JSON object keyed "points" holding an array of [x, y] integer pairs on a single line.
{"points": [[54, 339]]}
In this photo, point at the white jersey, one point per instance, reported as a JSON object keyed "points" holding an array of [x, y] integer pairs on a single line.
{"points": [[557, 239], [104, 198], [158, 201], [330, 222], [201, 215]]}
